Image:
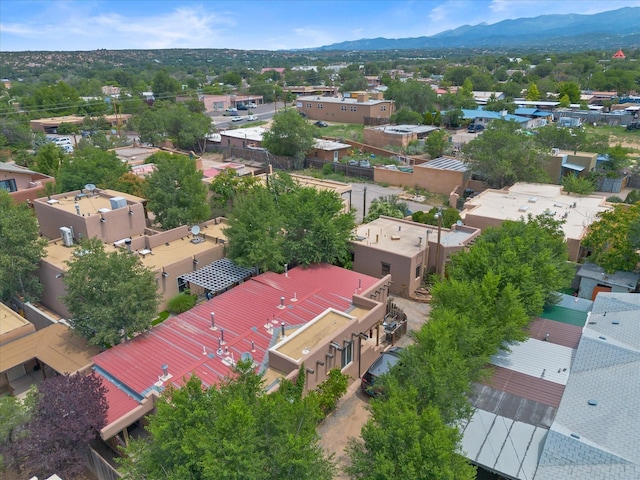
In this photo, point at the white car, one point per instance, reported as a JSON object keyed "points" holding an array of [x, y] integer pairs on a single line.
{"points": [[237, 118], [251, 118], [251, 105]]}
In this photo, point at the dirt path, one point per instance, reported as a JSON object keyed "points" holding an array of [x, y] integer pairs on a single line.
{"points": [[352, 413]]}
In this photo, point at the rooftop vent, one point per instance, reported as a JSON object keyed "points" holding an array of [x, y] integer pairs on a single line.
{"points": [[533, 199], [523, 208]]}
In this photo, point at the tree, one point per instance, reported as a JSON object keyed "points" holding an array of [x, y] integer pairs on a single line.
{"points": [[449, 216], [552, 136], [225, 187], [130, 183], [254, 231], [70, 412], [530, 255], [164, 87], [411, 94], [261, 436], [49, 159], [406, 116], [579, 185], [504, 155], [90, 165], [21, 249], [316, 227], [389, 206], [436, 143], [532, 92], [175, 191], [176, 122], [290, 135], [571, 89], [110, 296], [613, 239]]}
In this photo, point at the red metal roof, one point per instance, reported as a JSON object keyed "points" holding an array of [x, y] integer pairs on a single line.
{"points": [[248, 314], [559, 333], [526, 386], [119, 402]]}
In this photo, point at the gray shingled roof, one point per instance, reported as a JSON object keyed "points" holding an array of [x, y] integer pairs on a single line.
{"points": [[600, 441]]}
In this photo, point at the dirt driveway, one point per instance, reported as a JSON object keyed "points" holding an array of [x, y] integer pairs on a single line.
{"points": [[352, 413]]}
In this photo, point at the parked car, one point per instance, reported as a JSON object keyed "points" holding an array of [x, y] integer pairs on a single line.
{"points": [[633, 126], [364, 163], [237, 118], [473, 128], [321, 124], [252, 105], [353, 163], [382, 365]]}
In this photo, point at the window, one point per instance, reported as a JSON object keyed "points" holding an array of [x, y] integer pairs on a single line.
{"points": [[418, 271], [347, 354], [353, 108], [383, 108], [308, 105], [386, 269], [320, 106], [343, 108], [8, 185]]}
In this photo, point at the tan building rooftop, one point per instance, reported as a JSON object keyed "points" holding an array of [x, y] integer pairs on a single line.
{"points": [[392, 234], [522, 199], [89, 204], [153, 258], [57, 346], [12, 325]]}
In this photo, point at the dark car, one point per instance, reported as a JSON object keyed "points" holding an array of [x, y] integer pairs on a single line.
{"points": [[243, 107], [473, 128], [382, 365], [633, 126], [321, 124]]}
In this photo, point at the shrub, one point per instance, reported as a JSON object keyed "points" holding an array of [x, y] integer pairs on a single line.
{"points": [[331, 390], [181, 303], [614, 199], [327, 168]]}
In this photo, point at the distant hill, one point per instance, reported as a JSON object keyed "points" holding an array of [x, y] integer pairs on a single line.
{"points": [[613, 29]]}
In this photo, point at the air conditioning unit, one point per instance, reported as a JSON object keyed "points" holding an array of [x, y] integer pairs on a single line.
{"points": [[118, 202], [555, 151], [67, 236]]}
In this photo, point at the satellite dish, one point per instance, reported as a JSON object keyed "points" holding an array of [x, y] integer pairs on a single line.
{"points": [[90, 186], [459, 223], [195, 230]]}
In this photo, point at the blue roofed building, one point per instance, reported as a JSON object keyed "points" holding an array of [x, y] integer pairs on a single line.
{"points": [[484, 117]]}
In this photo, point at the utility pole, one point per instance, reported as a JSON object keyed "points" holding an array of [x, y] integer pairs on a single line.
{"points": [[364, 204]]}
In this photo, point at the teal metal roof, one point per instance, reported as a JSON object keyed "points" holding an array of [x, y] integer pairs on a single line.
{"points": [[565, 315]]}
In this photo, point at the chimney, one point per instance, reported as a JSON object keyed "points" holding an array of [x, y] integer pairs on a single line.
{"points": [[165, 370], [282, 328], [213, 322], [281, 306], [222, 336], [360, 284], [127, 242], [286, 270]]}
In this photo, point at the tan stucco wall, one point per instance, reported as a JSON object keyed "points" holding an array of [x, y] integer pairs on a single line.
{"points": [[431, 179]]}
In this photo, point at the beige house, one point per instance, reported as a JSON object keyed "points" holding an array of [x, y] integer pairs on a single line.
{"points": [[444, 175], [366, 108], [491, 207], [22, 184], [329, 150], [565, 162], [119, 220], [406, 250], [395, 135]]}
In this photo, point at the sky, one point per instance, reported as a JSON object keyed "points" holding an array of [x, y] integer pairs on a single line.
{"points": [[59, 25]]}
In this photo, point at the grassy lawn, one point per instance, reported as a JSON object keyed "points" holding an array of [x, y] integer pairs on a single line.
{"points": [[343, 130], [617, 135]]}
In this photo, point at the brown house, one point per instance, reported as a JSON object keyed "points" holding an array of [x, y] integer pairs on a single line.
{"points": [[365, 108], [395, 135], [563, 162], [21, 183]]}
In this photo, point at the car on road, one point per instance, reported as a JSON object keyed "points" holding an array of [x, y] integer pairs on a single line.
{"points": [[251, 105], [237, 118], [321, 124], [474, 128], [230, 111], [243, 107], [382, 365], [251, 118]]}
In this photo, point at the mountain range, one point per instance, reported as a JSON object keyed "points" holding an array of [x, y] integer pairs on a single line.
{"points": [[612, 29]]}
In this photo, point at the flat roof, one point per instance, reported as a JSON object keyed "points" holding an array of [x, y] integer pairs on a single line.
{"points": [[160, 256], [250, 133], [342, 100], [329, 145], [404, 129], [10, 320], [445, 163], [55, 345], [308, 337], [536, 198], [320, 184]]}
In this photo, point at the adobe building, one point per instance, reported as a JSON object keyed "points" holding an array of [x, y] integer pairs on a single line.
{"points": [[564, 162], [492, 207], [365, 108], [13, 325], [444, 175], [22, 184], [406, 250], [329, 150], [242, 137], [51, 124], [323, 316], [395, 135], [119, 220]]}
